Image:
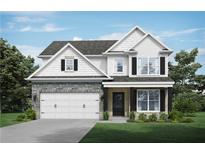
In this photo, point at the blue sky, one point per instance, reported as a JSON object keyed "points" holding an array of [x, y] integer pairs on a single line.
{"points": [[31, 32]]}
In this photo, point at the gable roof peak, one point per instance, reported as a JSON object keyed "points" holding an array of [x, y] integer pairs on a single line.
{"points": [[125, 36]]}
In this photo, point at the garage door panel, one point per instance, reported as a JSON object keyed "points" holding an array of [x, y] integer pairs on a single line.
{"points": [[70, 105]]}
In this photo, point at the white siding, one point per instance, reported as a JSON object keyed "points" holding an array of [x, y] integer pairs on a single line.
{"points": [[148, 48], [111, 62], [54, 67], [99, 62], [129, 41]]}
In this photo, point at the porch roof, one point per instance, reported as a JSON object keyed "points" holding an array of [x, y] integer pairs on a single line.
{"points": [[140, 79], [151, 82]]}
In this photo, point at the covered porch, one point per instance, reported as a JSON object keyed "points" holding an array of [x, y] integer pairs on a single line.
{"points": [[120, 98]]}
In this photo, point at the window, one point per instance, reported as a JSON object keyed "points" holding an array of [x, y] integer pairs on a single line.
{"points": [[153, 65], [148, 100], [119, 65], [148, 66], [143, 65], [69, 64]]}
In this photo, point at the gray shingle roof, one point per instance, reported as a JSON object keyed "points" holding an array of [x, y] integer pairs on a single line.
{"points": [[93, 47], [141, 79]]}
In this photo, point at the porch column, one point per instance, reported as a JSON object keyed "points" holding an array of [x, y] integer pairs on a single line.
{"points": [[166, 100], [105, 104]]}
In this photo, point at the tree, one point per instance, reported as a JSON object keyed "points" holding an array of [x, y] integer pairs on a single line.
{"points": [[15, 91], [183, 73], [199, 83], [189, 102]]}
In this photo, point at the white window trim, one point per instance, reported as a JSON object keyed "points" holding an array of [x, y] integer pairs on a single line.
{"points": [[116, 61], [148, 74], [147, 101], [69, 58]]}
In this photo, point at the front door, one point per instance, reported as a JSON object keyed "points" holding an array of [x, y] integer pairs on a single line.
{"points": [[118, 104]]}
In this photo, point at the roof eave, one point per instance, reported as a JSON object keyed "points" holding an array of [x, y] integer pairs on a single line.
{"points": [[68, 79], [45, 56]]}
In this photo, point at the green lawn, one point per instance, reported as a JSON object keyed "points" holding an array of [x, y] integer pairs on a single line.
{"points": [[149, 132], [8, 119]]}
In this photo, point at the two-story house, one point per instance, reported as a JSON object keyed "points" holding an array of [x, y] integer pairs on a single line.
{"points": [[83, 79]]}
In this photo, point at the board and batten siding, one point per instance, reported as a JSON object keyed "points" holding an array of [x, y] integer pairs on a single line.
{"points": [[99, 62], [54, 67], [129, 41], [148, 48], [111, 65]]}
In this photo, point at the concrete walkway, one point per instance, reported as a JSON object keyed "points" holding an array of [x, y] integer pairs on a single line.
{"points": [[46, 131]]}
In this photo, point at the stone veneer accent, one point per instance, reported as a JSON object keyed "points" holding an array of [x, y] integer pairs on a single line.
{"points": [[64, 87]]}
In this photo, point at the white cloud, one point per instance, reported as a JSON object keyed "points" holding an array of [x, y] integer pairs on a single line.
{"points": [[26, 19], [201, 51], [25, 29], [32, 51], [180, 32], [112, 36], [76, 38], [51, 28], [187, 40], [44, 28]]}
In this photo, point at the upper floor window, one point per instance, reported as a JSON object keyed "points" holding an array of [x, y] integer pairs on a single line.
{"points": [[69, 64], [119, 65], [148, 66]]}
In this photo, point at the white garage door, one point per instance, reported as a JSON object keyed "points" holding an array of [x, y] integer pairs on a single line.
{"points": [[69, 105]]}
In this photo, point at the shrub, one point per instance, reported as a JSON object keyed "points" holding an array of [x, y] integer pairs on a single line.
{"points": [[186, 120], [175, 115], [30, 114], [188, 102], [21, 117], [105, 115], [130, 120], [163, 117], [142, 117], [132, 115], [152, 117]]}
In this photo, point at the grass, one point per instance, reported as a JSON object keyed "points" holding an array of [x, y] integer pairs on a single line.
{"points": [[149, 132], [7, 119]]}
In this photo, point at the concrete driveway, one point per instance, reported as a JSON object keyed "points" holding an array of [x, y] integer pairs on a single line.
{"points": [[47, 131]]}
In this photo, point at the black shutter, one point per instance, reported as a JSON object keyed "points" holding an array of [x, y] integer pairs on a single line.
{"points": [[162, 100], [170, 95], [75, 64], [134, 65], [133, 99], [162, 65], [62, 64]]}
